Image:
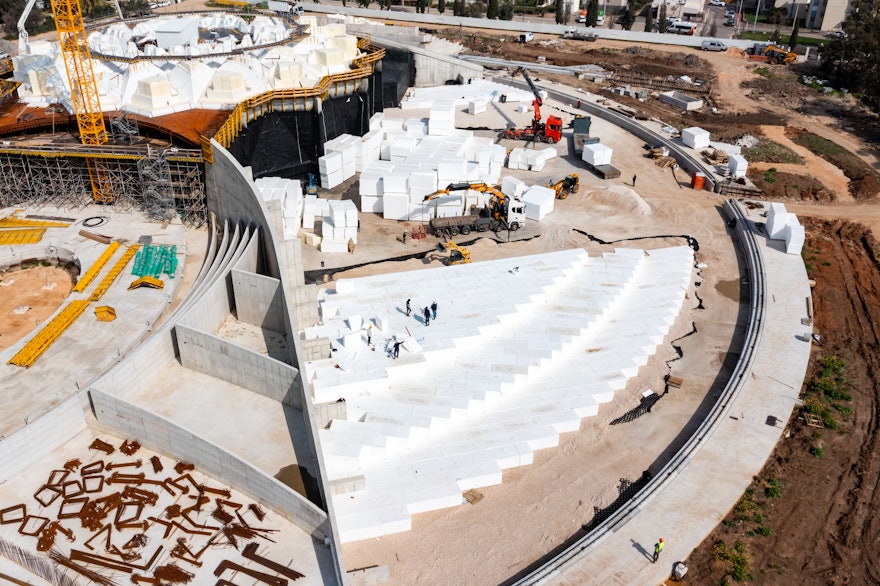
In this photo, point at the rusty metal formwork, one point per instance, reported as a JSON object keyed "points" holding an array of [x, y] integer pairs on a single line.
{"points": [[59, 176]]}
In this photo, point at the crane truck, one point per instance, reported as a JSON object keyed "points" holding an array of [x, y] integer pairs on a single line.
{"points": [[550, 131], [501, 212]]}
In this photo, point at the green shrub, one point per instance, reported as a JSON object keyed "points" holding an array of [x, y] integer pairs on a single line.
{"points": [[817, 451]]}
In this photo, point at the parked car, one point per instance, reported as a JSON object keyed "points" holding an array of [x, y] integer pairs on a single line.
{"points": [[710, 45], [729, 22], [582, 18], [730, 13], [836, 35], [717, 3], [600, 20]]}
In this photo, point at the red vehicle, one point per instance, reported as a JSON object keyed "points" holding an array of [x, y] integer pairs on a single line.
{"points": [[551, 131]]}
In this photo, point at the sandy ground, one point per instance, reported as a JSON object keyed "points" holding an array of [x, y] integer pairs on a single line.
{"points": [[28, 297]]}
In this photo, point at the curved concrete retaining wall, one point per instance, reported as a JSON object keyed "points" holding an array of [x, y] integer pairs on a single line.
{"points": [[231, 187], [754, 265], [684, 160]]}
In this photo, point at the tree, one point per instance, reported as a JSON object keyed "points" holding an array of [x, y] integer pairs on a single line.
{"points": [[628, 17], [492, 10], [661, 18], [649, 20], [792, 41], [10, 12], [441, 6], [713, 30], [593, 12], [560, 11], [851, 61], [505, 12]]}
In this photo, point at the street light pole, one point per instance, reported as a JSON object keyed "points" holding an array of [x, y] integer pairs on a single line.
{"points": [[796, 9], [758, 10]]}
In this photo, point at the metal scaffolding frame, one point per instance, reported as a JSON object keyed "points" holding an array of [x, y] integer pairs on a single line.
{"points": [[162, 183]]}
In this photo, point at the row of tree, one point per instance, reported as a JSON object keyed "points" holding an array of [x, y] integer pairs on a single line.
{"points": [[853, 61]]}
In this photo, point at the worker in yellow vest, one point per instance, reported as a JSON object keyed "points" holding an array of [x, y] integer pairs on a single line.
{"points": [[658, 547]]}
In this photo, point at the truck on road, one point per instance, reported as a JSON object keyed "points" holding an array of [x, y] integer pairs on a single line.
{"points": [[577, 34]]}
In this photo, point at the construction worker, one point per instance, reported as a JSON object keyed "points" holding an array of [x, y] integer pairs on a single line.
{"points": [[434, 310], [369, 334], [397, 350], [427, 314], [408, 308], [658, 547], [634, 179]]}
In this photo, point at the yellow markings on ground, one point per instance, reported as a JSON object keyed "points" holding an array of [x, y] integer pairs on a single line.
{"points": [[114, 272], [13, 222], [45, 337], [26, 236], [93, 271]]}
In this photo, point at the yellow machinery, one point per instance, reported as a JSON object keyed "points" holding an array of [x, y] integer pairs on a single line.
{"points": [[567, 186], [83, 88], [779, 56], [458, 255], [496, 206]]}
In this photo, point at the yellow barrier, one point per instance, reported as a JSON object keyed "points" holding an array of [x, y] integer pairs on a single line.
{"points": [[105, 313], [41, 342], [13, 222], [95, 268], [114, 272], [26, 236]]}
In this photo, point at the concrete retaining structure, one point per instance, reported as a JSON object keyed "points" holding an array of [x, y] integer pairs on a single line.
{"points": [[258, 300], [208, 354], [120, 417], [435, 69]]}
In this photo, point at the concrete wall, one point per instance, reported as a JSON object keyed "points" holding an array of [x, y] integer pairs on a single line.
{"points": [[258, 300], [227, 361], [125, 419], [515, 26], [433, 68], [231, 188], [42, 436]]}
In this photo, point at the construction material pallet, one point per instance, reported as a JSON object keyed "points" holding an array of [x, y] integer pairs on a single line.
{"points": [[93, 271], [114, 272], [41, 342], [604, 171]]}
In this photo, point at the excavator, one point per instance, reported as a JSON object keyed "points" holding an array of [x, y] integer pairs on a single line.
{"points": [[567, 186], [458, 255], [551, 131], [779, 56]]}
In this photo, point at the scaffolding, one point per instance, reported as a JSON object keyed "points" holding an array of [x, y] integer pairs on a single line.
{"points": [[124, 129], [59, 176]]}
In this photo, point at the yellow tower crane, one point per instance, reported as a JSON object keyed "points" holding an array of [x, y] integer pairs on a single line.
{"points": [[83, 89]]}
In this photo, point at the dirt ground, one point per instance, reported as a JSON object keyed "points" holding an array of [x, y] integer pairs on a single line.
{"points": [[28, 296], [809, 516]]}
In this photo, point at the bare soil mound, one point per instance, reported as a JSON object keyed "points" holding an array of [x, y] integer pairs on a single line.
{"points": [[617, 200], [782, 185]]}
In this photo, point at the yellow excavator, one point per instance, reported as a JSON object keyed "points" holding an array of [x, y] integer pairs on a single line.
{"points": [[500, 212], [566, 186], [458, 255]]}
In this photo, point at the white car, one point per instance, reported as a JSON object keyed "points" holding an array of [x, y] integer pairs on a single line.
{"points": [[581, 18], [717, 3], [600, 20]]}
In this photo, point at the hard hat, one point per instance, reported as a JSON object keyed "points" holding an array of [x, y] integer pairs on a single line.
{"points": [[661, 540]]}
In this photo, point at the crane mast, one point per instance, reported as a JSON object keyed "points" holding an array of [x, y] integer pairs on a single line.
{"points": [[83, 89]]}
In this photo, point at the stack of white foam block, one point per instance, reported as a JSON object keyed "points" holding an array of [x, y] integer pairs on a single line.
{"points": [[513, 187], [313, 209], [348, 146], [288, 194], [339, 226], [370, 148], [441, 121], [783, 225], [330, 170], [597, 154], [539, 202], [529, 159], [738, 165], [695, 137]]}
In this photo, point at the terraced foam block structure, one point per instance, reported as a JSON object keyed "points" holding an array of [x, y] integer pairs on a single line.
{"points": [[522, 349]]}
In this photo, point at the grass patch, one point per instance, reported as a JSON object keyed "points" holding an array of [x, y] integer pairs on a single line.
{"points": [[773, 489], [767, 151], [817, 452], [735, 558], [764, 72], [864, 182]]}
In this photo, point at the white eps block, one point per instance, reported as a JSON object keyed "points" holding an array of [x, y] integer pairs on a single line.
{"points": [[794, 238], [597, 154], [738, 165], [695, 137]]}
